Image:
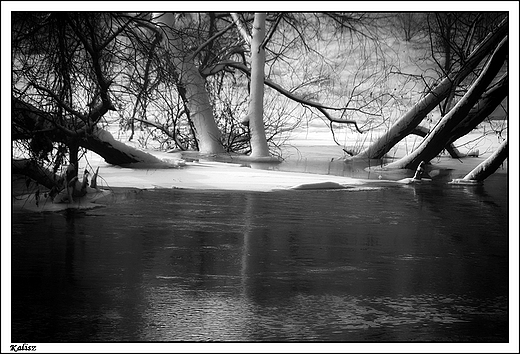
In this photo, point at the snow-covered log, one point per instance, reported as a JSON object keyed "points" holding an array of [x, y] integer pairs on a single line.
{"points": [[115, 152], [487, 167], [405, 125], [433, 144]]}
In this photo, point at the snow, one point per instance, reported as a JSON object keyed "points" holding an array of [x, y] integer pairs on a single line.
{"points": [[310, 159], [106, 136], [205, 174], [243, 174]]}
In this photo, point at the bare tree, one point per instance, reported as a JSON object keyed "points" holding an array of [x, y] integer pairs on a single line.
{"points": [[433, 144], [410, 24], [187, 80], [255, 115], [409, 121]]}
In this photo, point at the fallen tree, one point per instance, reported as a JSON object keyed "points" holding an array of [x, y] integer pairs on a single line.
{"points": [[30, 122], [41, 130], [487, 167], [489, 101], [409, 121], [443, 134]]}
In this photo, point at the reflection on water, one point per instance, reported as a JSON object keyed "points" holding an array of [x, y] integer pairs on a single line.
{"points": [[406, 263]]}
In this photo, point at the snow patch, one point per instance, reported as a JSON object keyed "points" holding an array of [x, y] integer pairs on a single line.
{"points": [[319, 185], [465, 182]]}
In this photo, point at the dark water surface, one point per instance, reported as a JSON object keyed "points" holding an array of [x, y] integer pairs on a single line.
{"points": [[406, 263]]}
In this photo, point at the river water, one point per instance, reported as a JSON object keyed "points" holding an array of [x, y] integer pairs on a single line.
{"points": [[426, 262]]}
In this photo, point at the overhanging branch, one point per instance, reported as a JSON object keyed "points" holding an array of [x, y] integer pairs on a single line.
{"points": [[104, 84], [211, 39], [243, 31], [60, 102], [164, 130], [318, 106]]}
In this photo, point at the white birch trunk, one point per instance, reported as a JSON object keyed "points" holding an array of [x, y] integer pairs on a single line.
{"points": [[259, 147], [201, 112]]}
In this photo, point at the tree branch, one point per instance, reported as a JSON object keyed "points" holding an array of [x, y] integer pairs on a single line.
{"points": [[60, 102], [164, 130], [113, 36], [211, 39], [241, 28], [271, 31], [25, 113], [302, 101], [103, 83]]}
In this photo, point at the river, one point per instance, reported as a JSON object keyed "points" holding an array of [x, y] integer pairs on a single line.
{"points": [[420, 263]]}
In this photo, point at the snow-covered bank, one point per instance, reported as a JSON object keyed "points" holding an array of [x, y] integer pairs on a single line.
{"points": [[311, 160], [213, 175], [190, 171]]}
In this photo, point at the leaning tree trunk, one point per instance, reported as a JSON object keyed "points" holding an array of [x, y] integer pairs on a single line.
{"points": [[487, 167], [31, 169], [101, 142], [29, 121], [406, 124], [259, 147], [432, 145], [201, 111], [207, 133], [490, 100], [423, 132], [115, 152]]}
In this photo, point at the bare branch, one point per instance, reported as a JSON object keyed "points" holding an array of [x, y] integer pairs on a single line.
{"points": [[103, 83], [241, 28], [288, 94], [27, 110], [164, 130], [113, 36], [60, 102], [271, 31], [210, 40]]}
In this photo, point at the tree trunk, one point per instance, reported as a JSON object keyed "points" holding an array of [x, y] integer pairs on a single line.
{"points": [[73, 155], [207, 133], [101, 142], [490, 100], [487, 105], [487, 167], [115, 152], [440, 136], [452, 150], [27, 121], [405, 125], [259, 147], [201, 111], [31, 169]]}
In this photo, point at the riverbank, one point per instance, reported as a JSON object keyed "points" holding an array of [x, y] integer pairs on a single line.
{"points": [[314, 163], [308, 158]]}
